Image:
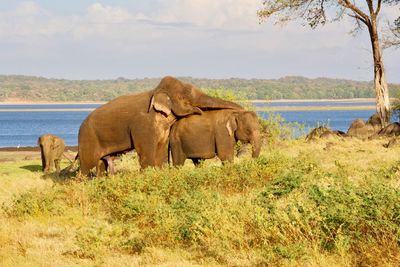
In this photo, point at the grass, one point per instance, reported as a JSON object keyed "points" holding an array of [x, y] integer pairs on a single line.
{"points": [[329, 203]]}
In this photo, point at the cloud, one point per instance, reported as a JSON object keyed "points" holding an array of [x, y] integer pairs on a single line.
{"points": [[222, 14], [180, 37]]}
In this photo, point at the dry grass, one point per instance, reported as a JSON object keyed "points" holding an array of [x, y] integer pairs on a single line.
{"points": [[85, 222]]}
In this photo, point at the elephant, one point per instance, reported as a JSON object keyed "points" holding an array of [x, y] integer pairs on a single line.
{"points": [[214, 133], [142, 122], [51, 149]]}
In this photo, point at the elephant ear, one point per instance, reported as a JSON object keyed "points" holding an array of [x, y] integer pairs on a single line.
{"points": [[161, 102]]}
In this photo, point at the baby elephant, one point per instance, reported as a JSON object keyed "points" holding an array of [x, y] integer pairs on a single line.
{"points": [[51, 148], [214, 133]]}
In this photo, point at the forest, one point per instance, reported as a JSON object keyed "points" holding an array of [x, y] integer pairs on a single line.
{"points": [[29, 88]]}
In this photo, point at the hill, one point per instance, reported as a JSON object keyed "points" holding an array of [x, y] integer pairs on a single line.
{"points": [[28, 88]]}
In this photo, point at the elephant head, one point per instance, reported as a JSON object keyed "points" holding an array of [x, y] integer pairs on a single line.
{"points": [[51, 148], [245, 127], [182, 99]]}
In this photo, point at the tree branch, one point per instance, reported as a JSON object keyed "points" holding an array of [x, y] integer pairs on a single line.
{"points": [[356, 16], [371, 7], [378, 8], [356, 10]]}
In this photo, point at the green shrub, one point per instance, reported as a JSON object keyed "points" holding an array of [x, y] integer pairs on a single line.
{"points": [[274, 210], [35, 203]]}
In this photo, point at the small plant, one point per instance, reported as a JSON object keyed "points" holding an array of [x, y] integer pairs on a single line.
{"points": [[34, 203]]}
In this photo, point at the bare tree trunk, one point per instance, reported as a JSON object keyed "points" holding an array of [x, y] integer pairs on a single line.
{"points": [[381, 88]]}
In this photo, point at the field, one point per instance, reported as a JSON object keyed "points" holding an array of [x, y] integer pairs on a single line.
{"points": [[329, 203]]}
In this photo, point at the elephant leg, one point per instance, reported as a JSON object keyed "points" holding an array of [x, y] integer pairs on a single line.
{"points": [[178, 156], [100, 168], [84, 170], [110, 165], [49, 165], [57, 164], [226, 153], [43, 159], [52, 164], [225, 148], [150, 152]]}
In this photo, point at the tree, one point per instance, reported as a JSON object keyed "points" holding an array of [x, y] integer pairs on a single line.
{"points": [[396, 33], [365, 14]]}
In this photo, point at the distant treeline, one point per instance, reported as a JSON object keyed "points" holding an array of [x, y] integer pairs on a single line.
{"points": [[16, 87]]}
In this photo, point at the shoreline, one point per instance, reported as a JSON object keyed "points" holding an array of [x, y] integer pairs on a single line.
{"points": [[268, 108], [314, 100], [32, 149], [5, 103], [13, 102]]}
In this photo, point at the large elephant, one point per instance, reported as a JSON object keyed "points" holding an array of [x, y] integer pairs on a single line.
{"points": [[51, 148], [214, 133], [142, 122]]}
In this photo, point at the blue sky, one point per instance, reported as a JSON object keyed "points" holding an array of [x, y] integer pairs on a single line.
{"points": [[86, 39]]}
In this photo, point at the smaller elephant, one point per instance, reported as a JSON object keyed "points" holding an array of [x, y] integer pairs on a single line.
{"points": [[214, 133], [51, 148]]}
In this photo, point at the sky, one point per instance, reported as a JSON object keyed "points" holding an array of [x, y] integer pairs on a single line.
{"points": [[86, 39]]}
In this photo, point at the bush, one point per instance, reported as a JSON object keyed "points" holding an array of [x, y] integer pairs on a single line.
{"points": [[35, 203], [273, 210]]}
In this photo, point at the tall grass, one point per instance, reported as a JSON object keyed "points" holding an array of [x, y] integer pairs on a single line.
{"points": [[270, 211]]}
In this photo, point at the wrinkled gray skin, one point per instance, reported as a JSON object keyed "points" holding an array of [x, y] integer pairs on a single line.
{"points": [[214, 133], [51, 149], [141, 122]]}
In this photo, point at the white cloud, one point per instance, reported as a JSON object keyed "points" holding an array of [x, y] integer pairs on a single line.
{"points": [[180, 37], [223, 14]]}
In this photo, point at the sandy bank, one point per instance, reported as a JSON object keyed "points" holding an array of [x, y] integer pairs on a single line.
{"points": [[13, 102]]}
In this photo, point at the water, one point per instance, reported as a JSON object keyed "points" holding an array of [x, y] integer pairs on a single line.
{"points": [[24, 127], [316, 103], [334, 119]]}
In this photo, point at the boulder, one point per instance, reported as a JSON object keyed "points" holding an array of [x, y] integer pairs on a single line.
{"points": [[323, 132], [364, 130], [392, 129]]}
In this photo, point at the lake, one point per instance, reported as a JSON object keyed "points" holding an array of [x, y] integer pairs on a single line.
{"points": [[22, 124]]}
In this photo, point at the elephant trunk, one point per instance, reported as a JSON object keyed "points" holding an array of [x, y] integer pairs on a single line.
{"points": [[209, 102], [256, 144]]}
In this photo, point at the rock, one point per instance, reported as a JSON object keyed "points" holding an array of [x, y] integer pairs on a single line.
{"points": [[323, 132], [392, 129]]}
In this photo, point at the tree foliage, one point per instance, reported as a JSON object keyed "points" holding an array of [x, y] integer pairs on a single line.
{"points": [[319, 12], [364, 13], [15, 88]]}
